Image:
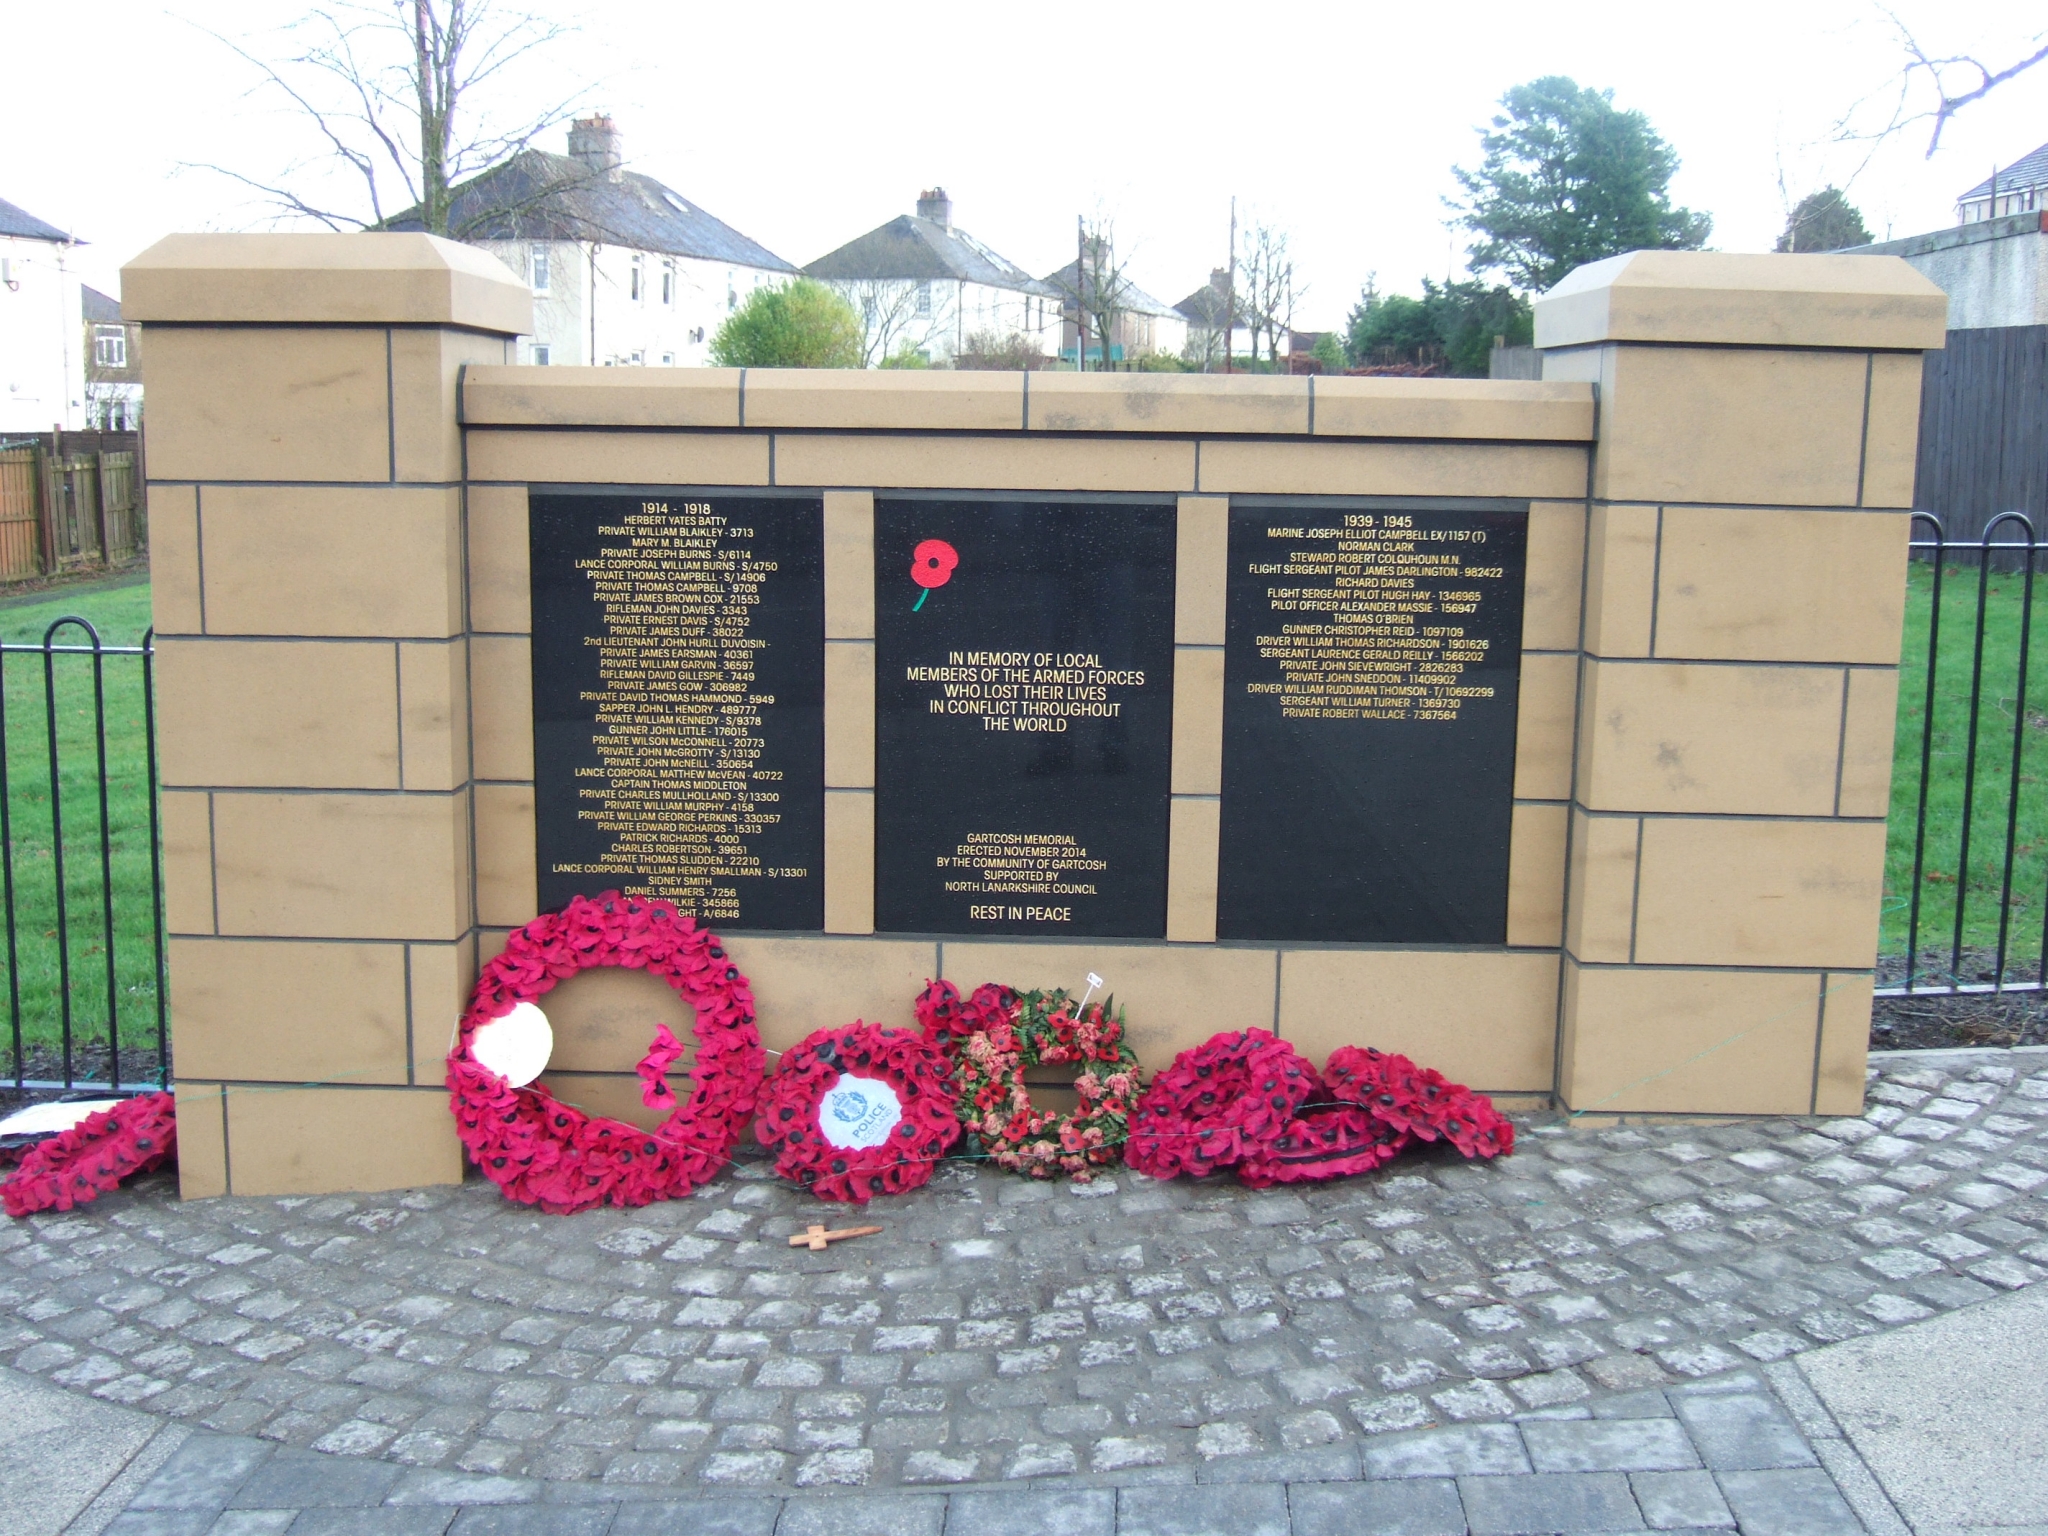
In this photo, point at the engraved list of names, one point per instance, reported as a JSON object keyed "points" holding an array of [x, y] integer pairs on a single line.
{"points": [[1370, 673], [678, 693]]}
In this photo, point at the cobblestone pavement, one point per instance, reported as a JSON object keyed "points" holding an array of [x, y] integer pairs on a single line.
{"points": [[1004, 1330], [1704, 1456]]}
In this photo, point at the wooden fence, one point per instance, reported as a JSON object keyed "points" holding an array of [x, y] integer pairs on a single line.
{"points": [[69, 501], [1984, 431]]}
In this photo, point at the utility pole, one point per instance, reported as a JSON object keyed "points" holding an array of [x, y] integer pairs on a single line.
{"points": [[1230, 291], [1080, 288]]}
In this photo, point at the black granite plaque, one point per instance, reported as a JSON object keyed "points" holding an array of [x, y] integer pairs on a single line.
{"points": [[678, 701], [1370, 676], [1024, 716]]}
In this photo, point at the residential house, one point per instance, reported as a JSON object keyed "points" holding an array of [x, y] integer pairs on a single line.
{"points": [[922, 286], [1207, 313], [113, 365], [1993, 261], [1143, 326], [42, 377], [2021, 187], [624, 270]]}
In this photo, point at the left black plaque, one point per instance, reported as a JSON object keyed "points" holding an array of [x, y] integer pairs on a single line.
{"points": [[678, 701]]}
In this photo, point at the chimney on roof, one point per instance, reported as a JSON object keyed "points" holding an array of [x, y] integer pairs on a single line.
{"points": [[937, 207], [596, 142]]}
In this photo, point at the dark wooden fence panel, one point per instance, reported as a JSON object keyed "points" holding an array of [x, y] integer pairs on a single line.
{"points": [[69, 501], [1984, 430]]}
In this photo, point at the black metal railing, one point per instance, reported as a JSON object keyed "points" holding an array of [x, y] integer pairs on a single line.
{"points": [[81, 871], [1975, 895]]}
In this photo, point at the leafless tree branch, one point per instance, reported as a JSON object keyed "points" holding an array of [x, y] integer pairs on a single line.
{"points": [[1957, 80]]}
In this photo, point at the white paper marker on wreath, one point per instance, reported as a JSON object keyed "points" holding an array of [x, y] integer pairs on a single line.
{"points": [[858, 1112], [516, 1046]]}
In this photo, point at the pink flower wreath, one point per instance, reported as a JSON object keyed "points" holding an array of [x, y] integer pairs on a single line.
{"points": [[543, 1152]]}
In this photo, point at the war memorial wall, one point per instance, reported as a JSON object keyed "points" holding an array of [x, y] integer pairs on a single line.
{"points": [[1540, 730]]}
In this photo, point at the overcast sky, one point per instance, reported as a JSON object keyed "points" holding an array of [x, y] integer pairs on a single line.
{"points": [[804, 125]]}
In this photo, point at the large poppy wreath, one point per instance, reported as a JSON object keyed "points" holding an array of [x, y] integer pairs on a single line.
{"points": [[859, 1111], [1230, 1096], [93, 1156], [543, 1152]]}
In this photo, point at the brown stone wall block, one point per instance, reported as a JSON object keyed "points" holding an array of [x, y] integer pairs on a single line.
{"points": [[1699, 1042], [1165, 402], [330, 1141], [433, 699], [602, 397], [1844, 1044], [1201, 569], [850, 861], [1724, 892], [604, 1019], [616, 1096], [619, 458], [1543, 726], [187, 821], [291, 714], [500, 575], [857, 398], [1197, 764], [849, 714], [340, 865], [202, 1141], [1468, 408], [986, 463], [1891, 444], [327, 561], [501, 686], [1601, 890], [507, 889], [439, 978], [1316, 468], [1754, 425], [1621, 585], [804, 984], [262, 403], [425, 365], [284, 1012], [1486, 1020], [1552, 589], [1676, 736], [1867, 741], [1536, 844], [1193, 845], [1173, 997], [1750, 584], [174, 560], [849, 565]]}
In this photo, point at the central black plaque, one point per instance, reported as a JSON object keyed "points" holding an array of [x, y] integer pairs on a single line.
{"points": [[678, 701], [1024, 716], [1370, 674]]}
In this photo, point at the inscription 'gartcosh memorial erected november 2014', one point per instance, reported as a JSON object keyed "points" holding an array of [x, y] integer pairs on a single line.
{"points": [[678, 701], [1370, 673], [1024, 694]]}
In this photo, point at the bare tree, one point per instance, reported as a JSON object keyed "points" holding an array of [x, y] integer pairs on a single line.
{"points": [[1932, 87], [398, 93], [1096, 288], [889, 317], [1265, 288]]}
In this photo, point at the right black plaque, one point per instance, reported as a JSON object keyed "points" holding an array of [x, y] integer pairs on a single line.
{"points": [[1370, 673]]}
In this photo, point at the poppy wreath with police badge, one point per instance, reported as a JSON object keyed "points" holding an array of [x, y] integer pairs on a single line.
{"points": [[1045, 1029], [543, 1152], [859, 1111]]}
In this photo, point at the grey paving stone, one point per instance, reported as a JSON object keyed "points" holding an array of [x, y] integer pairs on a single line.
{"points": [[432, 1485], [1608, 1445], [1680, 1501], [1325, 1464], [697, 1517], [203, 1473], [1577, 1502], [1033, 1512], [414, 1520], [1244, 1509], [160, 1522], [1789, 1502], [864, 1514], [536, 1520], [294, 1479], [1742, 1432], [1480, 1450], [1407, 1507], [252, 1522]]}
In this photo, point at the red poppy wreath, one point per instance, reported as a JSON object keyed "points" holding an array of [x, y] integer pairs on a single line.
{"points": [[93, 1156], [543, 1152], [1231, 1095], [859, 1111]]}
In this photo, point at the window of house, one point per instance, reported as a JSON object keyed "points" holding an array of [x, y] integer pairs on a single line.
{"points": [[668, 282], [638, 359], [538, 260], [636, 283], [110, 346], [732, 292], [668, 359], [542, 354], [924, 299]]}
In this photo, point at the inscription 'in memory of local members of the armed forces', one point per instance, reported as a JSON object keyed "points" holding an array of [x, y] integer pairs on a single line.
{"points": [[678, 672], [1024, 668], [1370, 674]]}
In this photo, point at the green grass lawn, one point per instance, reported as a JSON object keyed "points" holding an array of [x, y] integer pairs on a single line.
{"points": [[1998, 710], [120, 611]]}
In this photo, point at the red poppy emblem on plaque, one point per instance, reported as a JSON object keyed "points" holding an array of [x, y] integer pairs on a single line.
{"points": [[931, 565]]}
